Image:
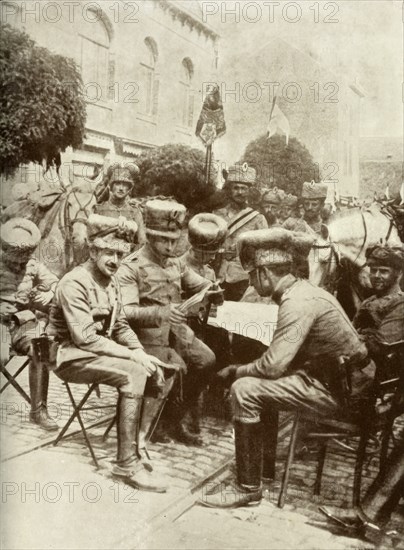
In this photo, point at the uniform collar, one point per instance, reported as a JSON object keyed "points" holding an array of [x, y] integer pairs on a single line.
{"points": [[152, 256], [283, 285]]}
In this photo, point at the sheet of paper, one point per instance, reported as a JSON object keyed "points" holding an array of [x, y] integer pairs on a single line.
{"points": [[256, 321]]}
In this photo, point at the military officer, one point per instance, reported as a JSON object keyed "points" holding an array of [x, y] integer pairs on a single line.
{"points": [[288, 207], [380, 318], [96, 343], [119, 204], [240, 218], [299, 369], [271, 204], [152, 280], [313, 200], [206, 235], [27, 288]]}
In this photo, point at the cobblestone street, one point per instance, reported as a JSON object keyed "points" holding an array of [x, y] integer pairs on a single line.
{"points": [[86, 508]]}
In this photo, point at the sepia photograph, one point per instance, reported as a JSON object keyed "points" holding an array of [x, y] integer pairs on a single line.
{"points": [[201, 274]]}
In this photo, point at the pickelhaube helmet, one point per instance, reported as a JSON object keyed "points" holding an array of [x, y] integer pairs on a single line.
{"points": [[207, 232], [271, 247], [164, 217]]}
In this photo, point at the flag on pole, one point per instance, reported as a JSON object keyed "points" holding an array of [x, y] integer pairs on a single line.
{"points": [[211, 124], [278, 122]]}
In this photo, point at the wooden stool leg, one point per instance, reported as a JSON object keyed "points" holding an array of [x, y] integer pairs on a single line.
{"points": [[75, 413], [360, 458], [320, 467], [289, 461], [109, 428], [11, 380]]}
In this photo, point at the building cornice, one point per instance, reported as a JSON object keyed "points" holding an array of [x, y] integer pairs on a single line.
{"points": [[185, 17]]}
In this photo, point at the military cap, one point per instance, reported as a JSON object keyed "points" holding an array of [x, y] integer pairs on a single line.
{"points": [[290, 200], [207, 232], [111, 233], [313, 190], [240, 173], [384, 255], [273, 246], [273, 196], [164, 217], [19, 236], [122, 173]]}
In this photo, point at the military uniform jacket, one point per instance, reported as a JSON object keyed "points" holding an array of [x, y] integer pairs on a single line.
{"points": [[128, 211], [17, 286], [381, 320], [312, 328], [82, 310], [202, 269], [231, 270], [149, 287]]}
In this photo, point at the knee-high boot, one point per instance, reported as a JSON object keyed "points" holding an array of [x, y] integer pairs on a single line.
{"points": [[246, 490], [38, 386], [270, 425], [129, 468]]}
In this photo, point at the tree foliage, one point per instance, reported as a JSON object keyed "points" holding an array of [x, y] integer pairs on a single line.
{"points": [[42, 110], [281, 165], [176, 170]]}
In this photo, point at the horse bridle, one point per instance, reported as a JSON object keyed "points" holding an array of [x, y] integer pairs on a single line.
{"points": [[67, 225]]}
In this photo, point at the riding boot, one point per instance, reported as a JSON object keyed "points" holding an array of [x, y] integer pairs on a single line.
{"points": [[194, 414], [129, 467], [270, 422], [246, 489], [38, 387], [175, 427]]}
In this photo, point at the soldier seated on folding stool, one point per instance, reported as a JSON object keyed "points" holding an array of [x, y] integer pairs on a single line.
{"points": [[152, 280], [301, 368], [27, 288], [97, 345]]}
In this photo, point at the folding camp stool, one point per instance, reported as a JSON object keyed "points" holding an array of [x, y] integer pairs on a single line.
{"points": [[80, 407], [21, 362]]}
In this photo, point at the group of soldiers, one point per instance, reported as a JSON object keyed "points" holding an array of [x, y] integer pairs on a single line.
{"points": [[118, 319]]}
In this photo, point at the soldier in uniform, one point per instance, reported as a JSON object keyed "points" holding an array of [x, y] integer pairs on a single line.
{"points": [[313, 200], [118, 203], [288, 207], [27, 288], [300, 368], [271, 203], [152, 280], [206, 235], [380, 318], [240, 218], [96, 343]]}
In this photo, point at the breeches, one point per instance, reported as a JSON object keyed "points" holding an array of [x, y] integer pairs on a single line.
{"points": [[193, 351], [125, 375], [251, 396]]}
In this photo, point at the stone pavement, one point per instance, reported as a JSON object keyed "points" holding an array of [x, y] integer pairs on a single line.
{"points": [[53, 497]]}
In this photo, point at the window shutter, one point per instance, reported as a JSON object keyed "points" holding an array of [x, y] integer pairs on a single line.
{"points": [[156, 88], [191, 110]]}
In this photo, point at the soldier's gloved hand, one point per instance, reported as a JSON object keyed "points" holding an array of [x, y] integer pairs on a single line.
{"points": [[228, 374], [148, 362], [215, 295], [176, 316]]}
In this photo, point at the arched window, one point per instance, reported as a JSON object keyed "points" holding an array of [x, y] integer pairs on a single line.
{"points": [[149, 88], [186, 94], [94, 59]]}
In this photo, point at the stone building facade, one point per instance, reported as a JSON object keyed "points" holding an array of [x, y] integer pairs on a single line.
{"points": [[143, 64]]}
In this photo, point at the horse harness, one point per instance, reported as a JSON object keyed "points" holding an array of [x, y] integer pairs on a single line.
{"points": [[66, 223]]}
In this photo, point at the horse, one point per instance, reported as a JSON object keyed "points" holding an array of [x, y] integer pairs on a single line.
{"points": [[61, 215], [337, 261]]}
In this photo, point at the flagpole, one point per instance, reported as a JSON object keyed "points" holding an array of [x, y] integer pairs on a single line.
{"points": [[208, 163]]}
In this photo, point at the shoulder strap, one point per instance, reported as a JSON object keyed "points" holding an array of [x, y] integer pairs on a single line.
{"points": [[241, 219]]}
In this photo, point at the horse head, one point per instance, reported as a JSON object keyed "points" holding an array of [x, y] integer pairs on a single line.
{"points": [[78, 206]]}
